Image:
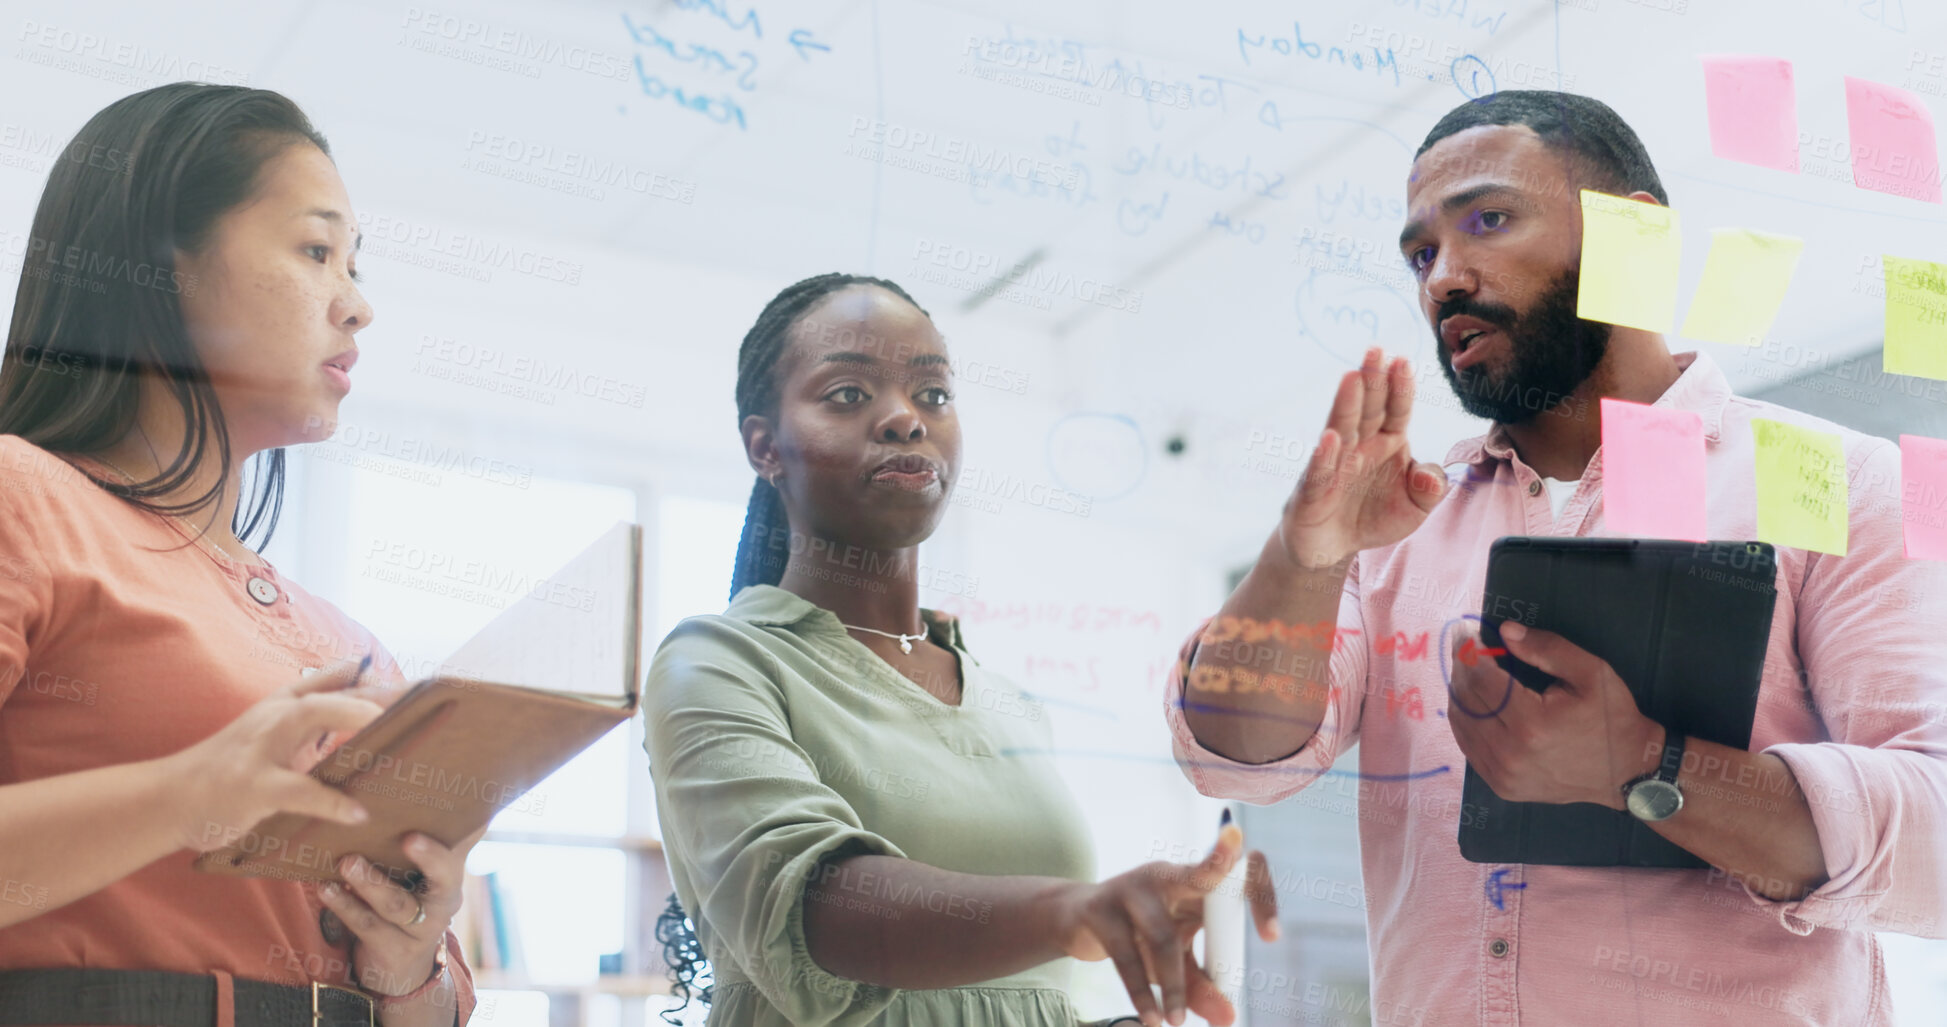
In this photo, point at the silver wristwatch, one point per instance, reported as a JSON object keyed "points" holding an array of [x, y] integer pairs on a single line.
{"points": [[1655, 795]]}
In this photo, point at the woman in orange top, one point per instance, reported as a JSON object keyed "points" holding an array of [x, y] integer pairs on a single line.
{"points": [[186, 303]]}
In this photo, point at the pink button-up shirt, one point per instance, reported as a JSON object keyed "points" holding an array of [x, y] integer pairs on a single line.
{"points": [[1854, 700]]}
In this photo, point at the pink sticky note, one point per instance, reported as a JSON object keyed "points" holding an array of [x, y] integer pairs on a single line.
{"points": [[1923, 496], [1892, 141], [1753, 110], [1652, 472]]}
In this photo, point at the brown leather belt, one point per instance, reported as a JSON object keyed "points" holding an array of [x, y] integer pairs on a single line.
{"points": [[159, 998]]}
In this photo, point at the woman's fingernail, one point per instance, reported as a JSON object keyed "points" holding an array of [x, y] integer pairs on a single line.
{"points": [[1514, 629], [329, 891]]}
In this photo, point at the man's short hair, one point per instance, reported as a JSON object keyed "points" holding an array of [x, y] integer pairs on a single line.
{"points": [[1599, 142]]}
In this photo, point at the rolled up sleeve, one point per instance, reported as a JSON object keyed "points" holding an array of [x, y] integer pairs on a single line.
{"points": [[1876, 665], [747, 820], [1265, 783]]}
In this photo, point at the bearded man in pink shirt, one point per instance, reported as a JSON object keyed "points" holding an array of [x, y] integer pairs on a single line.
{"points": [[1834, 823]]}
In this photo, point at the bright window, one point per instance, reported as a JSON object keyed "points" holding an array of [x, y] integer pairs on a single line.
{"points": [[431, 564], [428, 564], [696, 551]]}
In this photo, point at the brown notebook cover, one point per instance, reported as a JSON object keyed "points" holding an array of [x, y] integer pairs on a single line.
{"points": [[456, 749]]}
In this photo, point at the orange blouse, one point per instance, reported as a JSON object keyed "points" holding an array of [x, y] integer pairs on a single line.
{"points": [[122, 640]]}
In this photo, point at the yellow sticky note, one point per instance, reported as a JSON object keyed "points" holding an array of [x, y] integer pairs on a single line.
{"points": [[1630, 255], [1916, 318], [1743, 286], [1801, 487]]}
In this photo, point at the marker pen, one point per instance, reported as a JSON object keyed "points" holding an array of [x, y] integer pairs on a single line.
{"points": [[1224, 917]]}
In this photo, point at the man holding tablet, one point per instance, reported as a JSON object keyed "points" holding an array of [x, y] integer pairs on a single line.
{"points": [[1832, 825]]}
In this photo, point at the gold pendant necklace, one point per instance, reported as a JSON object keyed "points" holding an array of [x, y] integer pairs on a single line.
{"points": [[258, 587]]}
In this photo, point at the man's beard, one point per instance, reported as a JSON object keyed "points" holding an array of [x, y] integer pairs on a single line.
{"points": [[1552, 352]]}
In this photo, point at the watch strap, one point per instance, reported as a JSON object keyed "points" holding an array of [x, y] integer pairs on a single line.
{"points": [[1673, 745], [1668, 765]]}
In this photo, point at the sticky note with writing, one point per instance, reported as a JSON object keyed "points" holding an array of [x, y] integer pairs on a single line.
{"points": [[1630, 255], [1652, 472], [1916, 318], [1923, 496], [1892, 141], [1753, 110], [1802, 492], [1744, 284]]}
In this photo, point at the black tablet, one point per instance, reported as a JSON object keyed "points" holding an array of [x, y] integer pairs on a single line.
{"points": [[1684, 624]]}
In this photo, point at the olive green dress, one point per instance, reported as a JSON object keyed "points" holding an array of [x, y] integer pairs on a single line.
{"points": [[777, 741]]}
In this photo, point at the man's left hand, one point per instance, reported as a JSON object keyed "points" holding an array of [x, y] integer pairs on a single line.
{"points": [[1578, 741]]}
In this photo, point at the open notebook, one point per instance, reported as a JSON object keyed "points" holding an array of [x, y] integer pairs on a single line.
{"points": [[547, 678]]}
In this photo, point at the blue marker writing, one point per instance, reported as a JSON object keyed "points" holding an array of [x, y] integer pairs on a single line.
{"points": [[721, 110], [801, 41], [722, 12], [1496, 887], [1467, 78]]}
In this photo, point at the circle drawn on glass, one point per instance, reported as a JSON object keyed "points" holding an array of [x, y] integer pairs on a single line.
{"points": [[1100, 455]]}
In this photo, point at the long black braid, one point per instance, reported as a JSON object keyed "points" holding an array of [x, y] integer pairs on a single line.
{"points": [[761, 555]]}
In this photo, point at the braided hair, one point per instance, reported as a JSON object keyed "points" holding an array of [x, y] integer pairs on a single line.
{"points": [[766, 542], [761, 555], [683, 951]]}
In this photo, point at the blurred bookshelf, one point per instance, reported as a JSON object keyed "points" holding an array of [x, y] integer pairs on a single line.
{"points": [[574, 1003], [562, 895], [512, 959]]}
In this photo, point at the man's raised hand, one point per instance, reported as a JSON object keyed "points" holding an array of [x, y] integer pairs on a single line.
{"points": [[1361, 488]]}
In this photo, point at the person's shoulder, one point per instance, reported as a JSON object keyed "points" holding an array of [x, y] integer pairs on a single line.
{"points": [[1740, 411], [751, 631], [725, 645], [706, 631], [39, 490], [1858, 446], [1872, 469], [27, 469]]}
